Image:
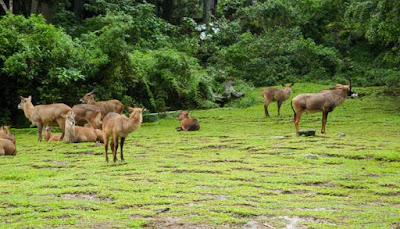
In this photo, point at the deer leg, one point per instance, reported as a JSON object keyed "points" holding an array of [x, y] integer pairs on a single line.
{"points": [[115, 147], [122, 146], [106, 146], [297, 120], [40, 128], [266, 107], [324, 119], [279, 107]]}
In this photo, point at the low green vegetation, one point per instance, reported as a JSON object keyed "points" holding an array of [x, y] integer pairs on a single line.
{"points": [[240, 169]]}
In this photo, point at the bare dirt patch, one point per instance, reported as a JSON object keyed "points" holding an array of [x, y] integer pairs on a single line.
{"points": [[85, 196]]}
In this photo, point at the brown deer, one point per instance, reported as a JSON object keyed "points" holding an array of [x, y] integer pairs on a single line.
{"points": [[75, 134], [87, 113], [324, 102], [98, 132], [105, 106], [7, 147], [6, 134], [44, 114], [119, 126], [187, 123], [275, 94], [49, 137]]}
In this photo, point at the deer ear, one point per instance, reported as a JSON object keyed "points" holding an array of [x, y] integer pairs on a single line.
{"points": [[144, 109], [22, 98], [131, 109], [63, 115], [30, 98], [292, 84]]}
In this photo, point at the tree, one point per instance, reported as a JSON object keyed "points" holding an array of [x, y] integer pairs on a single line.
{"points": [[10, 5]]}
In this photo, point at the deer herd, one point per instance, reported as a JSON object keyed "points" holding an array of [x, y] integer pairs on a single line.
{"points": [[99, 121]]}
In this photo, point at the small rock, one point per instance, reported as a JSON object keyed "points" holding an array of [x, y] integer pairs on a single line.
{"points": [[298, 183], [162, 210], [309, 132], [341, 134], [311, 156]]}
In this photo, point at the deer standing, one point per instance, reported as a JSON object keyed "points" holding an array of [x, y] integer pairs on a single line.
{"points": [[119, 126], [324, 102], [275, 94], [105, 106], [44, 114], [187, 123]]}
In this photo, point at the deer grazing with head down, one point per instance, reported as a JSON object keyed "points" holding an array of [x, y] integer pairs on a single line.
{"points": [[87, 113], [275, 94], [74, 134], [324, 101], [119, 126], [44, 114], [7, 142], [49, 137], [187, 123], [105, 106]]}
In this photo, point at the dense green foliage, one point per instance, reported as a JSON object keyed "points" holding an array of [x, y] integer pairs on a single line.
{"points": [[163, 58]]}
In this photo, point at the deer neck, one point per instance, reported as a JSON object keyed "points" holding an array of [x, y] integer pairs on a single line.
{"points": [[28, 109], [91, 102], [69, 133], [340, 96], [132, 123]]}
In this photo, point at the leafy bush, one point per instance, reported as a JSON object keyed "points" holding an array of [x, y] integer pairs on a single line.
{"points": [[276, 57], [168, 79]]}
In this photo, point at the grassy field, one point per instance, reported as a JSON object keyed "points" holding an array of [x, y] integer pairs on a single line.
{"points": [[241, 170]]}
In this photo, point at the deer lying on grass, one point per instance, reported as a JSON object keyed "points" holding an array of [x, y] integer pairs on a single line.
{"points": [[6, 134], [49, 137], [98, 132], [44, 114], [324, 102], [119, 126], [77, 133], [7, 147], [275, 94], [105, 106], [187, 123], [87, 113]]}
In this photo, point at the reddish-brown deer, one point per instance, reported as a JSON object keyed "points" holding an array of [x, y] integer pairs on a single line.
{"points": [[7, 147], [119, 126], [324, 102], [87, 113], [275, 94], [77, 133], [105, 106], [44, 114], [187, 123]]}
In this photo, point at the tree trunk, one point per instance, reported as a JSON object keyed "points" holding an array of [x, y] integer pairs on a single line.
{"points": [[206, 11], [168, 10]]}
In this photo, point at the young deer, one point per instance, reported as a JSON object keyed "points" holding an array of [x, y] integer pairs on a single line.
{"points": [[187, 123], [77, 133], [119, 126], [275, 94], [105, 106], [324, 102], [44, 114], [49, 137]]}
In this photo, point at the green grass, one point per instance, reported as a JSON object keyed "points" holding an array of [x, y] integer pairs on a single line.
{"points": [[240, 169]]}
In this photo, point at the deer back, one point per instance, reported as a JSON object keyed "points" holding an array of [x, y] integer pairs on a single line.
{"points": [[47, 114], [7, 147]]}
